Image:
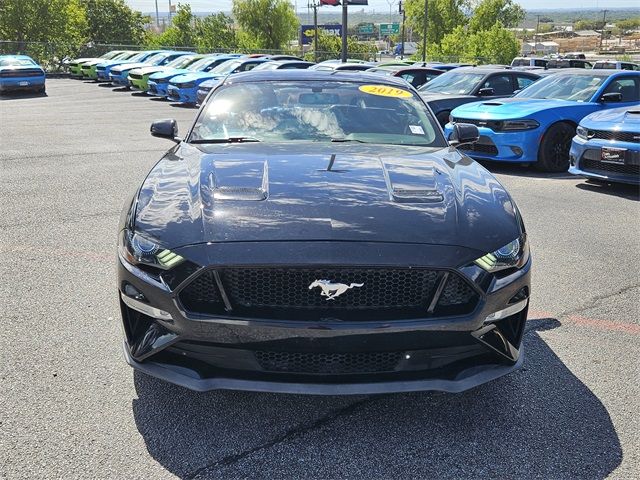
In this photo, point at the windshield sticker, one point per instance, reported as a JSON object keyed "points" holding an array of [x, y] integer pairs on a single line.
{"points": [[416, 129], [385, 91]]}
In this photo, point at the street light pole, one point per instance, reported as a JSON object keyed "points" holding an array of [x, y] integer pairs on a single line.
{"points": [[157, 16], [604, 24], [315, 33], [401, 10], [343, 57], [424, 31]]}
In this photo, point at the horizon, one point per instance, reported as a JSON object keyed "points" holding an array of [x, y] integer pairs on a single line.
{"points": [[377, 6]]}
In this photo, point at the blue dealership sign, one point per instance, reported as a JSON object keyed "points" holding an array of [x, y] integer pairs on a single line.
{"points": [[307, 32]]}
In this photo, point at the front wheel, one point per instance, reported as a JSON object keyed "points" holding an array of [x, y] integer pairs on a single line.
{"points": [[553, 155]]}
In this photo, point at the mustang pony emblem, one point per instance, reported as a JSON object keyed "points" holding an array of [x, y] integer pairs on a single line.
{"points": [[333, 290]]}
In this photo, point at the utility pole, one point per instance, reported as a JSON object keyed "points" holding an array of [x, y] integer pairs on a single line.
{"points": [[391, 4], [401, 10], [315, 33], [424, 31], [535, 37], [604, 24], [157, 16], [343, 57], [169, 12]]}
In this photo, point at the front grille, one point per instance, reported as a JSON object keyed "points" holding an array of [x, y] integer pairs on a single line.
{"points": [[492, 124], [486, 148], [328, 363], [633, 137], [598, 166], [374, 293], [101, 69], [135, 76], [25, 72]]}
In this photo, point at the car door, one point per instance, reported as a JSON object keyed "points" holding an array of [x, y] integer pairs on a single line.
{"points": [[500, 83], [628, 86]]}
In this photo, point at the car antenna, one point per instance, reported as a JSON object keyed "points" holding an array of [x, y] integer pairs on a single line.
{"points": [[333, 159]]}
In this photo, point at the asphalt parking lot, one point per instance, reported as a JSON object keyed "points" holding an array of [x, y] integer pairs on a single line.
{"points": [[70, 406]]}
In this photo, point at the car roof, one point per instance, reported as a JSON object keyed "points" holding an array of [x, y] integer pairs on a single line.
{"points": [[315, 75], [26, 57], [484, 71]]}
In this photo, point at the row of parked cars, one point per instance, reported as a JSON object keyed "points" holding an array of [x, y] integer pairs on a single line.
{"points": [[524, 114]]}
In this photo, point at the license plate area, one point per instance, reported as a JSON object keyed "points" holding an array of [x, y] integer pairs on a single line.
{"points": [[613, 155], [23, 84]]}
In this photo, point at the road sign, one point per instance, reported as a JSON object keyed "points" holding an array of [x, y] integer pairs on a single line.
{"points": [[365, 28], [389, 29]]}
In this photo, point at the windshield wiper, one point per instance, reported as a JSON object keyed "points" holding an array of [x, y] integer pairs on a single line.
{"points": [[342, 140], [227, 140]]}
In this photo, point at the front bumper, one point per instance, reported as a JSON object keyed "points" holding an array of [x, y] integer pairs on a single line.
{"points": [[585, 159], [513, 147], [119, 79], [203, 352], [182, 95]]}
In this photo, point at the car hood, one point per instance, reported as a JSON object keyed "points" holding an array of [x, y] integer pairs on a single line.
{"points": [[129, 66], [170, 72], [84, 60], [193, 76], [286, 192], [434, 97], [505, 108], [626, 119], [148, 70]]}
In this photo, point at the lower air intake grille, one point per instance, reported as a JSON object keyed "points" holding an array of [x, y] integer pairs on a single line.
{"points": [[596, 165], [328, 363], [368, 293]]}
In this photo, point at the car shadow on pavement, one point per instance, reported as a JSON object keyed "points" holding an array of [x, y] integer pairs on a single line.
{"points": [[21, 95], [630, 192], [520, 170], [539, 422]]}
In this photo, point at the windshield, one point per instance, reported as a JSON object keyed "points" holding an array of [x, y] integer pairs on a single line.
{"points": [[204, 63], [226, 67], [181, 62], [318, 111], [138, 56], [16, 62], [455, 83], [156, 59], [110, 55], [577, 88]]}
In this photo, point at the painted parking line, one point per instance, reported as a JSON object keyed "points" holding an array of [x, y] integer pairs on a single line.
{"points": [[601, 324]]}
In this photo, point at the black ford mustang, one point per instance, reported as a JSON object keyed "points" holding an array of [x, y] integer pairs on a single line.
{"points": [[314, 233]]}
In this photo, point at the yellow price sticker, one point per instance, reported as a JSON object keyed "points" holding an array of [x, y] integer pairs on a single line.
{"points": [[385, 91]]}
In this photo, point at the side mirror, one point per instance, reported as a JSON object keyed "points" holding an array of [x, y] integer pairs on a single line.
{"points": [[463, 133], [166, 128], [486, 92], [611, 97]]}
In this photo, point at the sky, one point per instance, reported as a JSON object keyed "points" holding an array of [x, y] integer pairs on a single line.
{"points": [[381, 6]]}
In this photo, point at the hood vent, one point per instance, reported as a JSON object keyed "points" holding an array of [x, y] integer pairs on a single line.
{"points": [[412, 184], [239, 180], [492, 104]]}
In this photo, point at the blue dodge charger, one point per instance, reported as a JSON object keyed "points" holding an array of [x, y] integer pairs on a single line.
{"points": [[607, 146], [20, 72], [537, 125]]}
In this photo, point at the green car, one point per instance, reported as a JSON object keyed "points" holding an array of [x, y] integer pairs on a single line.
{"points": [[75, 65], [89, 68], [139, 77]]}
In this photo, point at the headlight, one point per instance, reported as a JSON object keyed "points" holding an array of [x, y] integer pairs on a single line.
{"points": [[162, 80], [513, 255], [137, 249], [583, 133], [511, 125]]}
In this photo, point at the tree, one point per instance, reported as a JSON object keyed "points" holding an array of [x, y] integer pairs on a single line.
{"points": [[444, 16], [215, 32], [112, 21], [60, 25], [265, 24], [181, 33], [495, 45], [330, 47], [488, 12]]}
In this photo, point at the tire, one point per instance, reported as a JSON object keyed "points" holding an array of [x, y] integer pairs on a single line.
{"points": [[42, 90], [443, 118], [553, 154]]}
